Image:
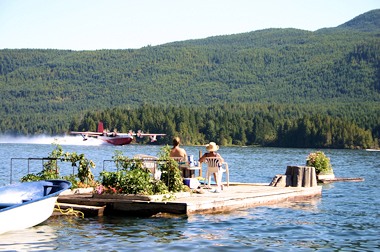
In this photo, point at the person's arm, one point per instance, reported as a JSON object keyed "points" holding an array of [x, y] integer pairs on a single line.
{"points": [[184, 154], [220, 157], [202, 159]]}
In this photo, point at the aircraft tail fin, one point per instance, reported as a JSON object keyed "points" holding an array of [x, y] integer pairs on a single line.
{"points": [[100, 127]]}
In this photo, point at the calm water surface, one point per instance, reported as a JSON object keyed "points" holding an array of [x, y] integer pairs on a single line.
{"points": [[345, 218]]}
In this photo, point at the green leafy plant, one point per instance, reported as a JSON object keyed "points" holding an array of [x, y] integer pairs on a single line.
{"points": [[136, 181], [132, 178], [31, 177], [171, 175], [320, 161], [84, 177]]}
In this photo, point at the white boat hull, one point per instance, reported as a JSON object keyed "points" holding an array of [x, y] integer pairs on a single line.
{"points": [[27, 215], [28, 204], [372, 149]]}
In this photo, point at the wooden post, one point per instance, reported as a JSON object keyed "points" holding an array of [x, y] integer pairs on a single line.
{"points": [[304, 176], [200, 170]]}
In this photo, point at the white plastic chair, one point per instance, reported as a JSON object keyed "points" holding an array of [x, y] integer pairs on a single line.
{"points": [[214, 165], [150, 163]]}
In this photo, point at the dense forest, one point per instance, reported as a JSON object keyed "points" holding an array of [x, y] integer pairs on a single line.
{"points": [[273, 87], [241, 124]]}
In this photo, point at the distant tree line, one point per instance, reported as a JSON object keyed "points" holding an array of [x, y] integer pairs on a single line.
{"points": [[243, 124]]}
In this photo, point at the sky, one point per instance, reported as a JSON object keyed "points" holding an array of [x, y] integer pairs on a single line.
{"points": [[133, 24]]}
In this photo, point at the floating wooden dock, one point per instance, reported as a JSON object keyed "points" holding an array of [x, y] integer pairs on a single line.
{"points": [[236, 196], [78, 210], [330, 180], [298, 183]]}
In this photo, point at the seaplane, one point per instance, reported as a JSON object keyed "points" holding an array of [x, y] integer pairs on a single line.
{"points": [[115, 138]]}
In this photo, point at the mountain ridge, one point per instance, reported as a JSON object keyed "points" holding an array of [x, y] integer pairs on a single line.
{"points": [[328, 66], [366, 22]]}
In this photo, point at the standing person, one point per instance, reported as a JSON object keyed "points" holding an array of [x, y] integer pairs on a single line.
{"points": [[177, 151], [212, 149]]}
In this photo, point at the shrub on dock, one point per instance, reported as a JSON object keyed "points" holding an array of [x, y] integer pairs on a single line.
{"points": [[133, 178], [83, 178], [320, 161]]}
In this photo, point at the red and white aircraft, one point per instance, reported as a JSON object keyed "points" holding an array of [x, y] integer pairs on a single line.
{"points": [[114, 138]]}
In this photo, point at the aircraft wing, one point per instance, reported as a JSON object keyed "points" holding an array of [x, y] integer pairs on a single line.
{"points": [[86, 133], [152, 136], [124, 134]]}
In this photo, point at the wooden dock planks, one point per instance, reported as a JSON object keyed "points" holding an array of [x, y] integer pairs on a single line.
{"points": [[233, 197], [88, 211]]}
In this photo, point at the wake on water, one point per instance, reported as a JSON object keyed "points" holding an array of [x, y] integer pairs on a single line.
{"points": [[44, 139]]}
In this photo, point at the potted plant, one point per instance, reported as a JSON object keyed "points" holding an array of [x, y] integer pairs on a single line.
{"points": [[322, 165]]}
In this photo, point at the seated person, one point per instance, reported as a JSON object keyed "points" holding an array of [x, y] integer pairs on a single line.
{"points": [[177, 151], [212, 148]]}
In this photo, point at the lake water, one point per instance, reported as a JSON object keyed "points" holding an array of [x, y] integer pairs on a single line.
{"points": [[345, 218]]}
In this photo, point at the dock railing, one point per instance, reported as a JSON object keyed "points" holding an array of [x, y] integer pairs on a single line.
{"points": [[29, 160]]}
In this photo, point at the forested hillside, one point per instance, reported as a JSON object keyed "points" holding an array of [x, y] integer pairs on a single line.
{"points": [[330, 73], [242, 124]]}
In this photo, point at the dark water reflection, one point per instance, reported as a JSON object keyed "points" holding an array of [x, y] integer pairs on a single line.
{"points": [[345, 218]]}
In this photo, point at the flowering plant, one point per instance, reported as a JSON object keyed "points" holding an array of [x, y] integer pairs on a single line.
{"points": [[100, 189], [320, 161]]}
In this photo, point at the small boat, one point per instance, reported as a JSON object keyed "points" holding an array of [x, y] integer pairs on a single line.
{"points": [[27, 204], [372, 149]]}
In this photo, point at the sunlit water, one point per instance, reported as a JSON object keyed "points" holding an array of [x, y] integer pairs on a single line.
{"points": [[345, 218]]}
